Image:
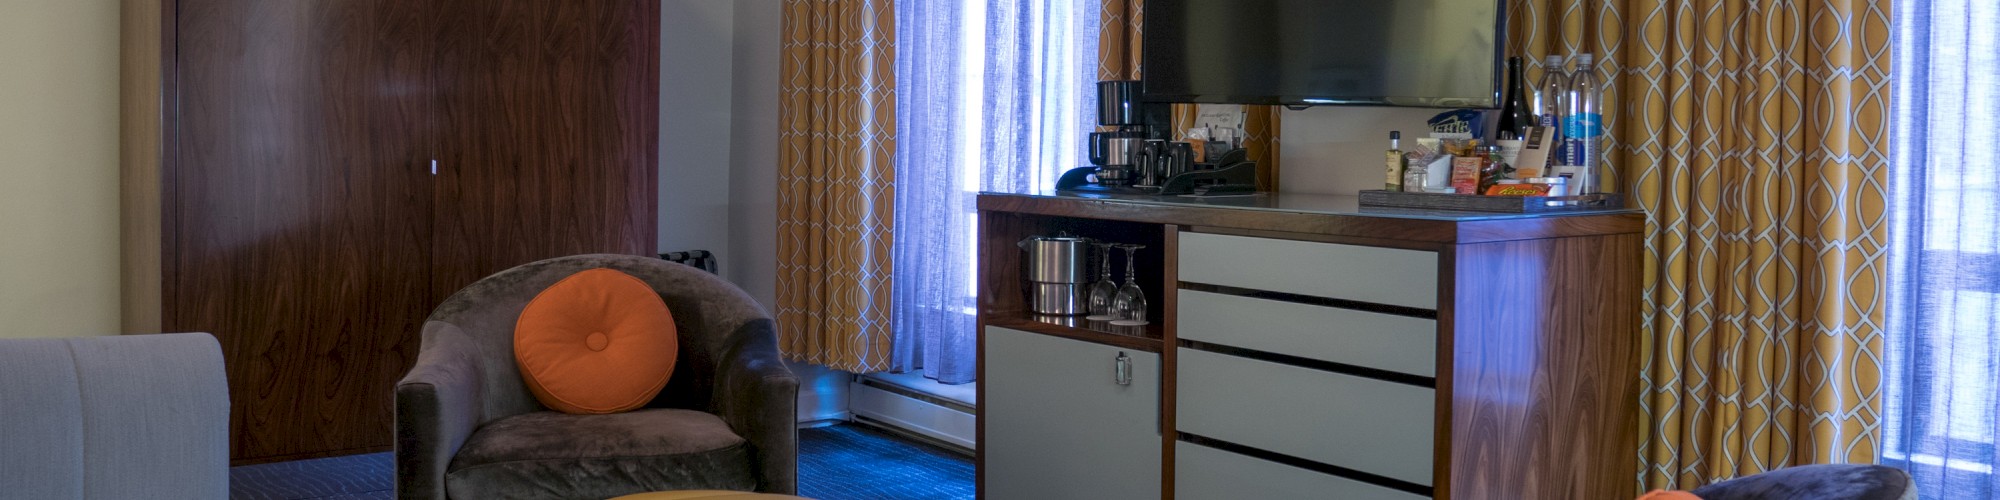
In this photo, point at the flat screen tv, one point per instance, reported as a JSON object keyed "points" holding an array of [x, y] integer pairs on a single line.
{"points": [[1427, 53]]}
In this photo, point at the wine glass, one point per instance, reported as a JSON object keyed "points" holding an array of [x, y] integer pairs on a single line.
{"points": [[1130, 304], [1105, 290]]}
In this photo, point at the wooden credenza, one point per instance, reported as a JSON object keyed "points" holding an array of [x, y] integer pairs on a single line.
{"points": [[1308, 348]]}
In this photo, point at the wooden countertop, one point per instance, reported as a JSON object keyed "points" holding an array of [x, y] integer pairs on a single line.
{"points": [[1333, 215]]}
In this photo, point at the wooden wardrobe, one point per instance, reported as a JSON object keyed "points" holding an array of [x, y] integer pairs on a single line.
{"points": [[307, 179]]}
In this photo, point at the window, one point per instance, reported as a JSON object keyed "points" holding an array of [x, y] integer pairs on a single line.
{"points": [[1942, 369], [991, 96]]}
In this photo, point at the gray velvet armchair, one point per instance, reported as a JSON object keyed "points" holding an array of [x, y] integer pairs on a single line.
{"points": [[467, 426]]}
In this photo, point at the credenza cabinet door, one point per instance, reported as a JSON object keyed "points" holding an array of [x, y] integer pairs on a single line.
{"points": [[1061, 423], [297, 211], [548, 132]]}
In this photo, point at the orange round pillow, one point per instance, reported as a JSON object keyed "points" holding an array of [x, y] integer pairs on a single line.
{"points": [[599, 341]]}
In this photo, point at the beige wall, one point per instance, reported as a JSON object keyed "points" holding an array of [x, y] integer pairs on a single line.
{"points": [[696, 72], [59, 168], [1338, 149]]}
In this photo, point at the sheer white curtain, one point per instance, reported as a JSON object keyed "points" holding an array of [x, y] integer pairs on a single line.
{"points": [[991, 96], [1943, 364]]}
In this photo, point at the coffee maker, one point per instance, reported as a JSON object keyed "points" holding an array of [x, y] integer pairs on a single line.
{"points": [[1114, 152], [1135, 156]]}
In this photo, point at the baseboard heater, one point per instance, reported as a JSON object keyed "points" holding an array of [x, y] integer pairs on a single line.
{"points": [[948, 424]]}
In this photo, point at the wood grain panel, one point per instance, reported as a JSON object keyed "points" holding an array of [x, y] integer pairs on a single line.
{"points": [[299, 231], [1545, 384], [548, 119]]}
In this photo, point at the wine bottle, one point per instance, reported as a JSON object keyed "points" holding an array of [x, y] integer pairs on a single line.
{"points": [[1515, 117]]}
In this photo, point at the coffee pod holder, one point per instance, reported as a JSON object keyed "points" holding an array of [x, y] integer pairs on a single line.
{"points": [[1232, 168]]}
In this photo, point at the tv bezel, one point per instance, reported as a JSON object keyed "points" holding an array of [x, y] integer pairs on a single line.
{"points": [[1491, 101]]}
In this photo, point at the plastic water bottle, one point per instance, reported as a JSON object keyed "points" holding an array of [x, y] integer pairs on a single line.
{"points": [[1583, 128], [1548, 104]]}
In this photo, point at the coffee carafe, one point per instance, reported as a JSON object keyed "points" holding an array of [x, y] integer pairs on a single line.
{"points": [[1113, 152]]}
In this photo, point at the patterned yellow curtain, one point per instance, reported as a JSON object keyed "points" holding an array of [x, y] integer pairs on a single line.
{"points": [[1120, 26], [836, 182], [1754, 134]]}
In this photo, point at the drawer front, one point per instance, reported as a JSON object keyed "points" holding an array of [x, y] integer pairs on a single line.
{"points": [[1382, 341], [1367, 274], [1204, 473], [1373, 426]]}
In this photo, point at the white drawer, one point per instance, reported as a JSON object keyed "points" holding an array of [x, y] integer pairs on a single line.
{"points": [[1204, 473], [1383, 341], [1367, 274], [1373, 426]]}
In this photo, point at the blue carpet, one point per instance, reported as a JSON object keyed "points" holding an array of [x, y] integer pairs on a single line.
{"points": [[353, 477], [841, 462], [848, 462]]}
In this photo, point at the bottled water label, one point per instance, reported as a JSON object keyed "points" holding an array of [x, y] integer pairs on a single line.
{"points": [[1588, 125], [1580, 135]]}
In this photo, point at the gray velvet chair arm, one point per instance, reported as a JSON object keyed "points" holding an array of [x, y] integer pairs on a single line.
{"points": [[438, 405], [758, 396], [1817, 482]]}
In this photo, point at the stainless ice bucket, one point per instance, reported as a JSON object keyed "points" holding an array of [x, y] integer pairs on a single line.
{"points": [[1056, 274]]}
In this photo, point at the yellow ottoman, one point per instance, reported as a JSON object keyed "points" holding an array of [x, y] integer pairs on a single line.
{"points": [[708, 495]]}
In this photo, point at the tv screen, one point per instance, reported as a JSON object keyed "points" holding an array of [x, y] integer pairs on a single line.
{"points": [[1429, 53]]}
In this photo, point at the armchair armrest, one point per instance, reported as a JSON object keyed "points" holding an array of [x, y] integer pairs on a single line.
{"points": [[758, 397], [438, 405]]}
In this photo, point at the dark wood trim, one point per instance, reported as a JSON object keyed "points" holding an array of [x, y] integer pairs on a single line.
{"points": [[1441, 460], [170, 114], [1312, 300], [1134, 342], [1349, 225], [1308, 464], [1169, 358], [311, 455]]}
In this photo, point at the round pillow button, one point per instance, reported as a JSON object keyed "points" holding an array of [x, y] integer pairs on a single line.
{"points": [[597, 341]]}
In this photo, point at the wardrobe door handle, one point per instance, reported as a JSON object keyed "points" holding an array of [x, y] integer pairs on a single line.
{"points": [[434, 167]]}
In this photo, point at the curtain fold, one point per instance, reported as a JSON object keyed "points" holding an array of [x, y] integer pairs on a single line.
{"points": [[1121, 26], [1754, 133], [1943, 418], [836, 182]]}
